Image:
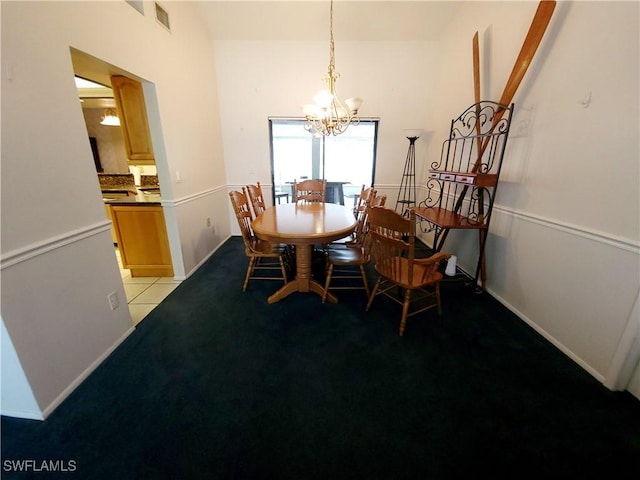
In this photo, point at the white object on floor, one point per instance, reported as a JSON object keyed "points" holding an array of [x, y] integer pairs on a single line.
{"points": [[451, 266]]}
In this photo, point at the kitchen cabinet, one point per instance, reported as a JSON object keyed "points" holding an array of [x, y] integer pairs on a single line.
{"points": [[142, 239], [113, 231], [134, 122]]}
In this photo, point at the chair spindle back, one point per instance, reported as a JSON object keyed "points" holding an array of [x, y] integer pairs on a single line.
{"points": [[309, 191], [244, 216], [392, 238], [256, 198]]}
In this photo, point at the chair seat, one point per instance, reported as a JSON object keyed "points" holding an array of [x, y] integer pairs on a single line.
{"points": [[349, 239], [265, 248], [344, 265], [422, 275], [347, 255]]}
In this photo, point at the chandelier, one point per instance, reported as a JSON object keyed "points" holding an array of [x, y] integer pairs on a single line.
{"points": [[328, 115]]}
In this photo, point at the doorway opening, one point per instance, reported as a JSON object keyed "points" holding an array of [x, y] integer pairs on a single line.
{"points": [[122, 177]]}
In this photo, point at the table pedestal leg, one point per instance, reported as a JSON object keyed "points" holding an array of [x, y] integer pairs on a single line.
{"points": [[303, 281]]}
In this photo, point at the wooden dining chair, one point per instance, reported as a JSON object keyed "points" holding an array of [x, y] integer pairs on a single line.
{"points": [[309, 191], [342, 260], [345, 266], [392, 238], [374, 200], [263, 256], [256, 198], [363, 199]]}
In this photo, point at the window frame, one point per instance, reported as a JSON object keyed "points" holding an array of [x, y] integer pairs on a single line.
{"points": [[301, 121]]}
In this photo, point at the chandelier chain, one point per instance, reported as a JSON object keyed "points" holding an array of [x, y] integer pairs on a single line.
{"points": [[329, 116], [332, 57]]}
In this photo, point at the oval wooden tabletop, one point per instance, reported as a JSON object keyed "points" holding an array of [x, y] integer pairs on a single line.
{"points": [[299, 224]]}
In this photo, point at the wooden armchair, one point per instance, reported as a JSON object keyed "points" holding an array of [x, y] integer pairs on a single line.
{"points": [[262, 254], [392, 238], [309, 191]]}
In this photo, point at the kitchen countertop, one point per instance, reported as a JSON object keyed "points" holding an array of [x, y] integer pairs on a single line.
{"points": [[127, 190], [138, 199]]}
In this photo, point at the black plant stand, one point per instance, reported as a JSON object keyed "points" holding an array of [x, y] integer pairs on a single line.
{"points": [[407, 193]]}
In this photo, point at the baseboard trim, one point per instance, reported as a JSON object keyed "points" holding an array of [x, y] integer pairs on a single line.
{"points": [[547, 336], [205, 259], [21, 414], [83, 376]]}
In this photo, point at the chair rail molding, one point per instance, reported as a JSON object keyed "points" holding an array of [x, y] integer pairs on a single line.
{"points": [[33, 250]]}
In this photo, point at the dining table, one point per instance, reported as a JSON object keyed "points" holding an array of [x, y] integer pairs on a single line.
{"points": [[303, 225]]}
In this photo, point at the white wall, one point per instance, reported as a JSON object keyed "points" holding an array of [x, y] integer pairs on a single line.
{"points": [[110, 142], [58, 263], [259, 79], [17, 394], [563, 252]]}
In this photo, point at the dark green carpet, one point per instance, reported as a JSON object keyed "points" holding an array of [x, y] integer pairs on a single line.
{"points": [[217, 384]]}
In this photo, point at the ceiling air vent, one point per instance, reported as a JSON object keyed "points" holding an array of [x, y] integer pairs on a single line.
{"points": [[137, 4], [162, 16]]}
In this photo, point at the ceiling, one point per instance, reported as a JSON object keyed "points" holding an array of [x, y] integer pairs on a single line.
{"points": [[92, 68], [308, 20], [93, 95], [294, 20]]}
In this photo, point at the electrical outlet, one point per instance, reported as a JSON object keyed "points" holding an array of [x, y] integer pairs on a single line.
{"points": [[114, 302], [208, 221]]}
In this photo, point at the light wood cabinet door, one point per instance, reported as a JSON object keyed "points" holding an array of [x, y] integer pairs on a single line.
{"points": [[134, 122], [142, 240], [113, 230]]}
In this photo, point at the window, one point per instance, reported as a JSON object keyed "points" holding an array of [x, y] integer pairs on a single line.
{"points": [[347, 161]]}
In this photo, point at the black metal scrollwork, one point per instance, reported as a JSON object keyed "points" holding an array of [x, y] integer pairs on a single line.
{"points": [[462, 182]]}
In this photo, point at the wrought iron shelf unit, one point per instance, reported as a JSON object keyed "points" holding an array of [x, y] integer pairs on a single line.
{"points": [[462, 184], [468, 178]]}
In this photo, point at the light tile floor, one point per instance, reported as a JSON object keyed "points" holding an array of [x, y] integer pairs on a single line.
{"points": [[144, 293]]}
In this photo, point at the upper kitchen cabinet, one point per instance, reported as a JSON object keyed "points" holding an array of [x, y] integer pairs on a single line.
{"points": [[133, 119]]}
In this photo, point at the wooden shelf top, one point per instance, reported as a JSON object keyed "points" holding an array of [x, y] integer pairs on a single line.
{"points": [[446, 218]]}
